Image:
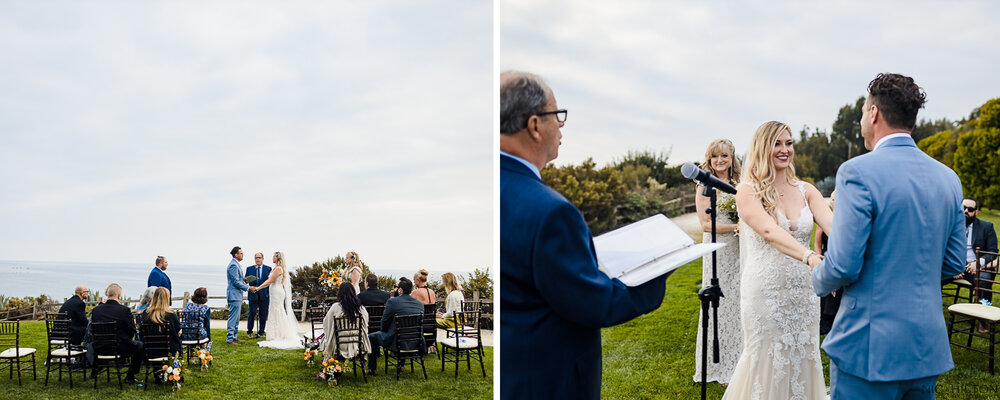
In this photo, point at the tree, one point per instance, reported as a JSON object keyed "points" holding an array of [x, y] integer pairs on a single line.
{"points": [[977, 162], [595, 192], [989, 114], [940, 146], [658, 166], [847, 126]]}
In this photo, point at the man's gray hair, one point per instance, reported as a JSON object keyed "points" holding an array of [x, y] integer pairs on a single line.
{"points": [[147, 296], [521, 95]]}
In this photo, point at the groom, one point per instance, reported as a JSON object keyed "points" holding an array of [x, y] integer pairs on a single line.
{"points": [[234, 294], [898, 230]]}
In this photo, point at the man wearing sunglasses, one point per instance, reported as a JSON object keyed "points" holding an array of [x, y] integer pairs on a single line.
{"points": [[979, 235]]}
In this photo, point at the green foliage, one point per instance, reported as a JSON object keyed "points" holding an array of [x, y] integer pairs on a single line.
{"points": [[224, 314], [596, 192], [977, 162], [940, 146], [826, 185], [925, 129], [305, 281], [989, 114], [478, 279], [656, 165], [252, 372], [847, 127], [386, 282]]}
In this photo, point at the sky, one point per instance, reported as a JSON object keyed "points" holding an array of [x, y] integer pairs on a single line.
{"points": [[669, 76], [135, 129]]}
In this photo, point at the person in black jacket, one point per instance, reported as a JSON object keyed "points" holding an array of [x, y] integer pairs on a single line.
{"points": [[373, 296], [112, 311], [76, 311], [159, 313], [402, 304]]}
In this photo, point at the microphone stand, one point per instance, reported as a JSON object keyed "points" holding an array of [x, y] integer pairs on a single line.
{"points": [[710, 295]]}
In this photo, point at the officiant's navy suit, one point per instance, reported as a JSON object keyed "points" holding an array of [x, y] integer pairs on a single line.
{"points": [[259, 300], [553, 299], [898, 230]]}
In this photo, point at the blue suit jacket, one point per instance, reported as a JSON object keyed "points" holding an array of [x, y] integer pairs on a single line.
{"points": [[553, 299], [236, 286], [261, 277], [400, 305], [898, 230], [158, 278]]}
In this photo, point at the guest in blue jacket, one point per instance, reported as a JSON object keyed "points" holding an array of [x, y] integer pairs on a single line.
{"points": [[158, 276], [553, 299]]}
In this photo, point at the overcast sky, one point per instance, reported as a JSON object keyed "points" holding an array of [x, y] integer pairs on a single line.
{"points": [[135, 129], [662, 75]]}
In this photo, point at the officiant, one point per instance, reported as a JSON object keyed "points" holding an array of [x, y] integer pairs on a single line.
{"points": [[260, 299], [553, 298]]}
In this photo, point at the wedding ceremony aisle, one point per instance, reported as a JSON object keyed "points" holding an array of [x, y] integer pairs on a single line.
{"points": [[653, 357], [247, 371]]}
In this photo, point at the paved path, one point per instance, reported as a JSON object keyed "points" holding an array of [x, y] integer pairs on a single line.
{"points": [[305, 327], [689, 224]]}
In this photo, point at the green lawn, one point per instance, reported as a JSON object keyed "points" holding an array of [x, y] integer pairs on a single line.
{"points": [[652, 357], [252, 372]]}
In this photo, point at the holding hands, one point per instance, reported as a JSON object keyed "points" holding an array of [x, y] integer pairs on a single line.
{"points": [[252, 289]]}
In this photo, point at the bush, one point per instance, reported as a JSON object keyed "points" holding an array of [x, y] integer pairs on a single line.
{"points": [[224, 314], [478, 279], [826, 185]]}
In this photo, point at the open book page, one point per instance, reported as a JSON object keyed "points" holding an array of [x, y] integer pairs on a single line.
{"points": [[646, 249]]}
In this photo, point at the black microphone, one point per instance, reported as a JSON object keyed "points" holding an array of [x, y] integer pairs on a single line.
{"points": [[690, 171]]}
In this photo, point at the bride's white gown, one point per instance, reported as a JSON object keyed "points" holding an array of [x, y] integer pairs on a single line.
{"points": [[281, 331], [780, 315]]}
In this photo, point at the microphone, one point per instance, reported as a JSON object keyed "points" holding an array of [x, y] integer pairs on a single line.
{"points": [[690, 171]]}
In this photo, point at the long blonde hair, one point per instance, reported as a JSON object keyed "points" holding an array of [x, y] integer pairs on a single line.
{"points": [[450, 283], [760, 171], [281, 260], [160, 305], [722, 146]]}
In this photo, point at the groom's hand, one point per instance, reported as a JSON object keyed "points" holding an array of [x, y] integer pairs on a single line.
{"points": [[252, 289]]}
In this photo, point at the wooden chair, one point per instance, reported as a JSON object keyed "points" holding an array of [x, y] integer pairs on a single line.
{"points": [[429, 323], [349, 333], [156, 347], [191, 339], [315, 316], [409, 344], [375, 318], [60, 353], [10, 357], [106, 351], [954, 288], [966, 316], [465, 339]]}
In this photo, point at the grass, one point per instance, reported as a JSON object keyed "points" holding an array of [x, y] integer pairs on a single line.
{"points": [[652, 356], [252, 372]]}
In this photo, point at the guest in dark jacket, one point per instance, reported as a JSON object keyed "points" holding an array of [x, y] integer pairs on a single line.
{"points": [[112, 311], [76, 311], [159, 313], [403, 304], [373, 296]]}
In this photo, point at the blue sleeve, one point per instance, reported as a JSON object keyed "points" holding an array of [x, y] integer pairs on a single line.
{"points": [[566, 275], [852, 227], [208, 321], [234, 278], [954, 252]]}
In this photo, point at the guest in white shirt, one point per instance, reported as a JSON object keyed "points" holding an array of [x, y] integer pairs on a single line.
{"points": [[453, 303]]}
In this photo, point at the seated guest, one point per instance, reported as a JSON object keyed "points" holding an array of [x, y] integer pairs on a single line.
{"points": [[402, 304], [373, 296], [421, 291], [146, 297], [197, 307], [454, 302], [350, 306], [76, 310], [111, 310], [159, 313]]}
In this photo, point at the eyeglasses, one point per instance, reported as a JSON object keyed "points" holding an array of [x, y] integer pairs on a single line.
{"points": [[561, 115], [967, 208]]}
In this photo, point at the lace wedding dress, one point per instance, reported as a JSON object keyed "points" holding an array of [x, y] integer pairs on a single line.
{"points": [[281, 332], [780, 314], [730, 330]]}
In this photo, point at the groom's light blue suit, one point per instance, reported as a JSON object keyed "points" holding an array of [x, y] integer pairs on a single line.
{"points": [[234, 297], [898, 230]]}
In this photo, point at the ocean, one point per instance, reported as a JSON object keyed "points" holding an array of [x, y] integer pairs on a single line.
{"points": [[58, 279]]}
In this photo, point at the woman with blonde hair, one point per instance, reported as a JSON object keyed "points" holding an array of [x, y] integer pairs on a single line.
{"points": [[353, 270], [453, 303], [159, 313], [720, 160], [281, 330], [779, 309], [420, 290]]}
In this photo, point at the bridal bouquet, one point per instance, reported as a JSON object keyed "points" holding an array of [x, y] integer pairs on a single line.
{"points": [[333, 276], [331, 371], [727, 206]]}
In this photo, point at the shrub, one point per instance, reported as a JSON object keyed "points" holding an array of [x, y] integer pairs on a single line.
{"points": [[478, 279]]}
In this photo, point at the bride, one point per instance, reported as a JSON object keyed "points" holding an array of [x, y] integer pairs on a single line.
{"points": [[281, 331], [779, 309]]}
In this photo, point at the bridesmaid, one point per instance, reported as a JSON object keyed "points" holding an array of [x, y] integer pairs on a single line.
{"points": [[720, 160]]}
